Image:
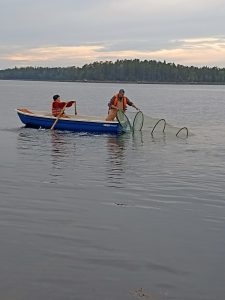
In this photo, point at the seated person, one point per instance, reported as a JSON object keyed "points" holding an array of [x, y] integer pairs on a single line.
{"points": [[58, 105]]}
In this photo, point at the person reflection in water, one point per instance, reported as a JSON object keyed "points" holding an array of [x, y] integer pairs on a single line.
{"points": [[118, 102], [116, 160], [60, 150]]}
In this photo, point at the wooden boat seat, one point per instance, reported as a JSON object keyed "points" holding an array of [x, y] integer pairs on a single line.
{"points": [[26, 110]]}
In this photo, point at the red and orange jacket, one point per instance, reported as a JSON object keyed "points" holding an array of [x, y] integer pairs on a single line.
{"points": [[57, 106]]}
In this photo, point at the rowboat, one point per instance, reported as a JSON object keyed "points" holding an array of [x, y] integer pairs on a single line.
{"points": [[41, 119]]}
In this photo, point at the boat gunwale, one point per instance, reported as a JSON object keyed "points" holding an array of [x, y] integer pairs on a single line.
{"points": [[46, 115]]}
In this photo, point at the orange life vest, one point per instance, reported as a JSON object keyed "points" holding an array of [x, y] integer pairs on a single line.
{"points": [[124, 101]]}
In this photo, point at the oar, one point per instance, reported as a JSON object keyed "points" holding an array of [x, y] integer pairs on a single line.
{"points": [[62, 111]]}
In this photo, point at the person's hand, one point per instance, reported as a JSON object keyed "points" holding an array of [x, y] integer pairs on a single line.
{"points": [[115, 107], [70, 103]]}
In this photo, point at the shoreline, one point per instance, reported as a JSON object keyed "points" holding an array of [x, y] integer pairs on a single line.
{"points": [[122, 82]]}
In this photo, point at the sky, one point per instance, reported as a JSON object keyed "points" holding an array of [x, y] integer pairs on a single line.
{"points": [[53, 33]]}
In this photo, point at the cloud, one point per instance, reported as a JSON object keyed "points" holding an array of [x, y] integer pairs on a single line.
{"points": [[194, 51], [52, 54], [56, 33]]}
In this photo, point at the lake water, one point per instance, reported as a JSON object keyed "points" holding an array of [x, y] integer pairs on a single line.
{"points": [[91, 217]]}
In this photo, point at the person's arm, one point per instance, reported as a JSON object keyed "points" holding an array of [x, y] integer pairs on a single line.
{"points": [[70, 103], [111, 105], [59, 104], [132, 104]]}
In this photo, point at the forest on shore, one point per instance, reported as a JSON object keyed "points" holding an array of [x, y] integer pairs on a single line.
{"points": [[136, 71]]}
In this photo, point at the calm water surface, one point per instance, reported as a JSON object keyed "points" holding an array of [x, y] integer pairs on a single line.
{"points": [[89, 217]]}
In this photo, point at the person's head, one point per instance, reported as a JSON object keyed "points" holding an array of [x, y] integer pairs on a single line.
{"points": [[121, 93], [55, 97]]}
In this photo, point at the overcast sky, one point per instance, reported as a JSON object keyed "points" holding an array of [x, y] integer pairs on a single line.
{"points": [[76, 32]]}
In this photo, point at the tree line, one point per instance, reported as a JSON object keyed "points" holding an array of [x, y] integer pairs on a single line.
{"points": [[120, 71]]}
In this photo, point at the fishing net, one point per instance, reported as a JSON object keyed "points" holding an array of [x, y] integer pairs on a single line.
{"points": [[124, 121], [138, 121], [157, 126]]}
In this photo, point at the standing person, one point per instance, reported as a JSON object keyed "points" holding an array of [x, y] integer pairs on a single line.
{"points": [[58, 105], [118, 102]]}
